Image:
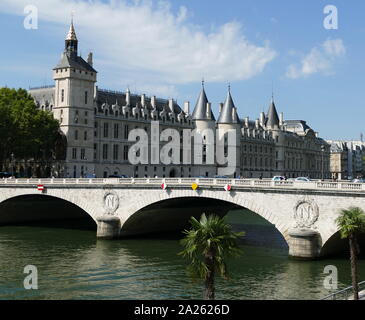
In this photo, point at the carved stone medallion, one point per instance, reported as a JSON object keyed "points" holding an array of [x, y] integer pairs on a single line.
{"points": [[111, 202], [306, 213]]}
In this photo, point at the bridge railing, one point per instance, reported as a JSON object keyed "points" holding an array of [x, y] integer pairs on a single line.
{"points": [[213, 182], [344, 294]]}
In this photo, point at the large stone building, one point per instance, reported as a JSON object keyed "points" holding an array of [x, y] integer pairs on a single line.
{"points": [[96, 124], [347, 159]]}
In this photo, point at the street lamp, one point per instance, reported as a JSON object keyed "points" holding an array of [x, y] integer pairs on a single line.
{"points": [[322, 149], [12, 164]]}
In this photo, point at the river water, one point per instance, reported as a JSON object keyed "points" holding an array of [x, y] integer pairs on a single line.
{"points": [[72, 264]]}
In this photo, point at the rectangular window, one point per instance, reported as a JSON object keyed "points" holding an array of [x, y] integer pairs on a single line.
{"points": [[74, 153], [116, 131], [106, 130], [85, 97], [96, 129], [105, 151], [115, 152], [126, 132], [76, 135], [82, 154], [62, 95], [85, 135], [95, 150], [125, 153]]}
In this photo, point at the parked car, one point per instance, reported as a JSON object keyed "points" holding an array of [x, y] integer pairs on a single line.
{"points": [[5, 175], [302, 179], [90, 175], [278, 178], [220, 177], [118, 176]]}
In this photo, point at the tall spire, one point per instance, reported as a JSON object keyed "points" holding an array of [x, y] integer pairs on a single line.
{"points": [[71, 41], [71, 33], [229, 111]]}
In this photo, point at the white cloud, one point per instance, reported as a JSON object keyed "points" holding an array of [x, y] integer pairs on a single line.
{"points": [[319, 60], [146, 39]]}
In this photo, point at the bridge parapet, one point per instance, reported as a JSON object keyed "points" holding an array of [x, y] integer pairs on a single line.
{"points": [[202, 182]]}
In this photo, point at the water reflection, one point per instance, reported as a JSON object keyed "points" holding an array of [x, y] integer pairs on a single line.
{"points": [[73, 265]]}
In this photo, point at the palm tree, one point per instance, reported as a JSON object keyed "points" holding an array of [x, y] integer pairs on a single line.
{"points": [[351, 222], [209, 242]]}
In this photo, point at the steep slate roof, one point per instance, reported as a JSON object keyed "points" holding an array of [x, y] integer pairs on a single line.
{"points": [[272, 116], [73, 62], [113, 97], [226, 115], [43, 95], [200, 110], [296, 125]]}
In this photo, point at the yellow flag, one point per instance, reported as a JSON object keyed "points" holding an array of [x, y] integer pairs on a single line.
{"points": [[194, 186]]}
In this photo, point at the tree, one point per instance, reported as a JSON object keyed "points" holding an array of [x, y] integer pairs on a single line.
{"points": [[207, 245], [351, 222], [25, 131]]}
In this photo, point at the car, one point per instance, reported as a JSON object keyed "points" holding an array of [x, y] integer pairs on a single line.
{"points": [[359, 180], [118, 176], [220, 177], [278, 178], [90, 176], [302, 179], [5, 175]]}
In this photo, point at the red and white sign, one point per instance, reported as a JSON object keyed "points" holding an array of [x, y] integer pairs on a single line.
{"points": [[40, 187], [228, 187], [163, 186]]}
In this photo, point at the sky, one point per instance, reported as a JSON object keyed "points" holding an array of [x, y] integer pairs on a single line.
{"points": [[292, 49]]}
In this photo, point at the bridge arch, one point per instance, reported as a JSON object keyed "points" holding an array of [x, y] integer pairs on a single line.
{"points": [[231, 199], [42, 207]]}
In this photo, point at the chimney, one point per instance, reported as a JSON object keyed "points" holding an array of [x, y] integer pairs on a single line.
{"points": [[220, 107], [153, 102], [90, 59], [257, 123], [234, 114], [281, 119], [209, 110], [128, 97], [246, 122], [262, 118], [171, 105], [143, 100], [187, 107]]}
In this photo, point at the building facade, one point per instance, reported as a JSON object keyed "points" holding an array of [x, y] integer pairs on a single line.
{"points": [[97, 123], [347, 159]]}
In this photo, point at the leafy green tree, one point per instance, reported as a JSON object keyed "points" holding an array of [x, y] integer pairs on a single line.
{"points": [[25, 131], [207, 245], [351, 222]]}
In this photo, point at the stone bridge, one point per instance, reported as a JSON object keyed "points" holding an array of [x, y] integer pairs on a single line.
{"points": [[303, 212]]}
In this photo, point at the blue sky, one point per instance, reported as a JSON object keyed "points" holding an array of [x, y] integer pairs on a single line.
{"points": [[165, 48]]}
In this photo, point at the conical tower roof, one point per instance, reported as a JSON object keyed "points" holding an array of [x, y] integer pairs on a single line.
{"points": [[227, 113], [200, 110], [272, 115]]}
